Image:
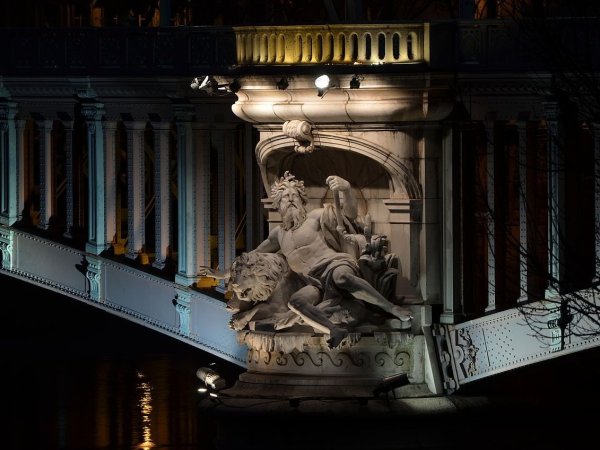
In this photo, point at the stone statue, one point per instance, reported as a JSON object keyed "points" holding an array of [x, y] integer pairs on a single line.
{"points": [[317, 270], [261, 284], [312, 250]]}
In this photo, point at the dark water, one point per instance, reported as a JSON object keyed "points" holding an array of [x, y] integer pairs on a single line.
{"points": [[75, 377]]}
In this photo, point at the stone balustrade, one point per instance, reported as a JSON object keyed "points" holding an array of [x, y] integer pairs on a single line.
{"points": [[333, 44]]}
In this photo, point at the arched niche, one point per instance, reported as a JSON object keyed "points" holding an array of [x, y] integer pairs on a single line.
{"points": [[364, 164]]}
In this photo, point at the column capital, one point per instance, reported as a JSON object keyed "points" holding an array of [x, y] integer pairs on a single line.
{"points": [[8, 110], [92, 111], [184, 112], [551, 109]]}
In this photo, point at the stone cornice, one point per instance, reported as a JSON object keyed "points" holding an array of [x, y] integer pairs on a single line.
{"points": [[379, 99]]}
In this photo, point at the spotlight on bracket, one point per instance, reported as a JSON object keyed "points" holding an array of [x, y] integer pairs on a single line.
{"points": [[283, 83], [207, 84], [323, 83], [210, 378], [355, 82], [212, 86]]}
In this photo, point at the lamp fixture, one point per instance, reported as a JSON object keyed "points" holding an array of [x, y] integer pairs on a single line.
{"points": [[283, 83], [210, 378], [212, 86], [323, 83], [390, 383], [355, 82]]}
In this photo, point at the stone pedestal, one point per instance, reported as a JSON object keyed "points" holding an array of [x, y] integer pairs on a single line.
{"points": [[300, 365]]}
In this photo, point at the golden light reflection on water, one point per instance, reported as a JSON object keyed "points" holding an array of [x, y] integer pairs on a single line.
{"points": [[145, 405]]}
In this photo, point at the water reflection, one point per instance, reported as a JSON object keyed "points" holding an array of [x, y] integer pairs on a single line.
{"points": [[145, 404], [78, 378]]}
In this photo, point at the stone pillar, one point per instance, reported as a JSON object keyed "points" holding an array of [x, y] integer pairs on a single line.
{"points": [[405, 223], [524, 255], [429, 270], [193, 180], [96, 242], [556, 202], [596, 136], [20, 126], [451, 259], [46, 168], [224, 138], [68, 124], [254, 216], [9, 165], [491, 232], [162, 205], [136, 217], [110, 153]]}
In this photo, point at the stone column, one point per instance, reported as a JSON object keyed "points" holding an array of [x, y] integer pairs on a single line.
{"points": [[429, 278], [68, 124], [96, 242], [452, 274], [20, 128], [556, 202], [491, 232], [9, 165], [136, 217], [110, 153], [224, 139], [162, 205], [193, 180], [524, 254], [253, 185], [46, 169]]}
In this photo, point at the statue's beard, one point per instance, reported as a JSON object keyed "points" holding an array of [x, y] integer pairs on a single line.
{"points": [[293, 216]]}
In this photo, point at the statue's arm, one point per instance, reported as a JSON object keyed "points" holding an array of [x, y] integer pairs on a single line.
{"points": [[270, 244], [349, 205]]}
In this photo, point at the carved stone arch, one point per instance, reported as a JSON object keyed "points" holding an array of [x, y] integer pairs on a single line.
{"points": [[273, 152]]}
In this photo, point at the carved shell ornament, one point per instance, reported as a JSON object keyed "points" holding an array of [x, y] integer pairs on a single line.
{"points": [[301, 132]]}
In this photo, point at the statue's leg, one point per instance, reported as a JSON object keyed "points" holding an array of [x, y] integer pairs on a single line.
{"points": [[303, 303], [344, 278]]}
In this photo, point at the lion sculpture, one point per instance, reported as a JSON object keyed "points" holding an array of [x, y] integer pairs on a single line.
{"points": [[262, 284]]}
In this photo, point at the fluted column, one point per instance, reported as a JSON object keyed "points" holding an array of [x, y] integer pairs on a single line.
{"points": [[9, 165], [110, 150], [224, 139], [46, 180], [136, 220], [524, 254], [68, 124], [96, 240], [193, 180], [491, 232], [556, 202], [162, 193]]}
